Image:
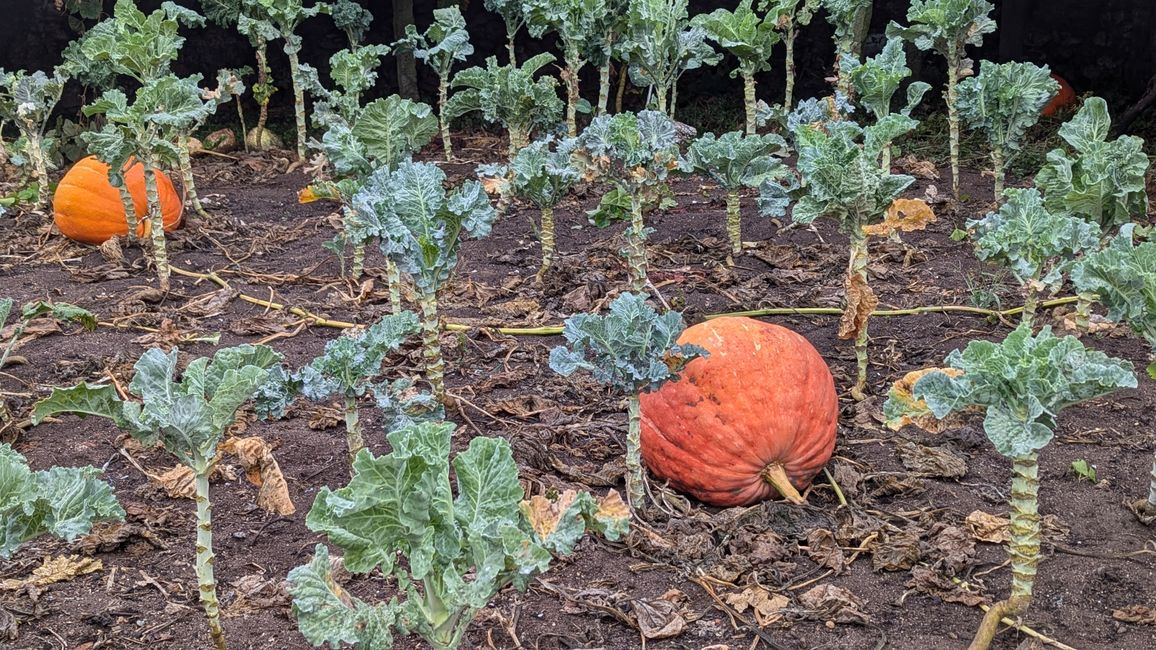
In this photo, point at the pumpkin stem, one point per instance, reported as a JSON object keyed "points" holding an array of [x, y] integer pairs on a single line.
{"points": [[776, 475]]}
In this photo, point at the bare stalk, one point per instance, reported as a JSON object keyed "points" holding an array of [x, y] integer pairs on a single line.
{"points": [[353, 434], [749, 102], [443, 123], [431, 345], [393, 280], [858, 268], [789, 98], [635, 488], [574, 64], [39, 167], [734, 221], [603, 87], [953, 115], [206, 583], [186, 165], [997, 169], [298, 104], [547, 238], [156, 222], [129, 210], [636, 246]]}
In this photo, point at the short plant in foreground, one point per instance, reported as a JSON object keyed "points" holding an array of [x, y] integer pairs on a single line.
{"points": [[443, 44], [510, 96], [540, 176], [27, 101], [876, 80], [57, 310], [62, 501], [660, 44], [1004, 100], [750, 38], [1122, 276], [460, 547], [635, 153], [1021, 384], [1037, 245], [735, 161], [187, 416], [420, 227], [630, 349], [948, 27]]}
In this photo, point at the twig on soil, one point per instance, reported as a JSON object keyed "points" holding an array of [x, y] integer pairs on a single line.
{"points": [[1019, 626]]}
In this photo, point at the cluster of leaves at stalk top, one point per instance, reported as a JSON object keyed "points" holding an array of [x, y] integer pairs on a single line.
{"points": [[510, 96], [1022, 384], [460, 547], [62, 501], [748, 37], [1123, 277], [660, 44], [27, 100]]}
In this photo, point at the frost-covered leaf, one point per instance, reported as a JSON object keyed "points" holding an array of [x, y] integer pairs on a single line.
{"points": [[631, 348], [327, 614], [62, 501], [1122, 275], [1004, 100], [1022, 384]]}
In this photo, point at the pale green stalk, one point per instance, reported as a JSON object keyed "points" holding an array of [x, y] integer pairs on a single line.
{"points": [[431, 345], [358, 264], [443, 123], [547, 238], [353, 434], [1152, 487], [298, 105], [129, 209], [186, 164], [734, 220], [39, 167], [749, 103], [603, 87], [1031, 303], [574, 64], [206, 583], [635, 487], [636, 246], [953, 114], [241, 118], [997, 168], [156, 221], [858, 267], [393, 280], [789, 99]]}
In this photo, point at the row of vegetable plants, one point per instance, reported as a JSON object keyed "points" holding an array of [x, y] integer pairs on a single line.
{"points": [[463, 543]]}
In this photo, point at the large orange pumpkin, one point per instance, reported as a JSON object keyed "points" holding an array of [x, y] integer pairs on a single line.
{"points": [[755, 418], [1066, 97], [87, 208]]}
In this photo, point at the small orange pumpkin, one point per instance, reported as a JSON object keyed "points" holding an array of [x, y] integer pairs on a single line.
{"points": [[87, 208], [754, 418], [1066, 97]]}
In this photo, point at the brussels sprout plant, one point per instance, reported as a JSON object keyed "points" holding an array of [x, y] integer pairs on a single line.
{"points": [[876, 80], [444, 43], [660, 44], [750, 38], [27, 101]]}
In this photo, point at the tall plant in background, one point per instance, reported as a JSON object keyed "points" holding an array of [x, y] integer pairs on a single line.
{"points": [[580, 26], [443, 43], [734, 161], [462, 546], [630, 349], [510, 96], [1037, 245], [284, 16], [541, 176], [948, 27], [851, 19], [660, 44], [748, 37], [514, 17], [788, 16], [27, 101], [1004, 100], [187, 416], [260, 33], [421, 227], [1122, 276], [1021, 385], [634, 152], [876, 80], [843, 179]]}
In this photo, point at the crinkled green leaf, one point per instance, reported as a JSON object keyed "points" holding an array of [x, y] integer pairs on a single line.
{"points": [[351, 362], [736, 160], [631, 150], [660, 44], [445, 42], [350, 17], [133, 43], [326, 614], [842, 15], [393, 128], [877, 78], [744, 34], [1004, 100], [933, 24], [536, 173], [1123, 277], [508, 95]]}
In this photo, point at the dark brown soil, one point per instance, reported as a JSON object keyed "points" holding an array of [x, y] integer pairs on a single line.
{"points": [[568, 433]]}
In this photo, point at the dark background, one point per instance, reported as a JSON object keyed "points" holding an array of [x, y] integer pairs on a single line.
{"points": [[1107, 47]]}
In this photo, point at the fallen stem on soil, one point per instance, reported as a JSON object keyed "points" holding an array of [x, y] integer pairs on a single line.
{"points": [[1019, 626], [555, 330]]}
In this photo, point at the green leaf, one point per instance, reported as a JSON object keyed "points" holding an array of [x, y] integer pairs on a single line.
{"points": [[58, 310], [1004, 100], [943, 24], [877, 78], [83, 400], [735, 160], [445, 42], [536, 173], [660, 44], [1084, 470], [1122, 276], [393, 128], [351, 362], [743, 33], [508, 95], [631, 150], [327, 614]]}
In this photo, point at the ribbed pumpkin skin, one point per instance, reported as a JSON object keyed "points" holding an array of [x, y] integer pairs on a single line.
{"points": [[87, 208], [763, 396], [1065, 97]]}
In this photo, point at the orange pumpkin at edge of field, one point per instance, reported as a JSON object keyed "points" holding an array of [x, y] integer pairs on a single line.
{"points": [[764, 399], [1066, 97], [87, 208]]}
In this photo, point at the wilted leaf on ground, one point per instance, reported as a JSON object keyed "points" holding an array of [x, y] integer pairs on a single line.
{"points": [[904, 215], [895, 551], [262, 470], [953, 548], [254, 592], [988, 527], [1136, 614], [659, 618], [110, 536], [767, 607], [831, 603], [930, 582], [916, 167], [545, 514], [931, 462], [54, 569], [824, 550], [902, 409]]}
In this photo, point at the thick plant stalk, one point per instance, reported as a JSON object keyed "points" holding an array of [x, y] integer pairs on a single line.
{"points": [[997, 169], [635, 488], [1084, 302], [129, 210], [298, 104], [156, 223], [734, 220], [1031, 303], [443, 123], [358, 266], [663, 93], [953, 115], [186, 164], [603, 87], [353, 435], [574, 64], [620, 94], [673, 99], [1152, 487], [39, 167], [789, 97], [519, 138], [206, 583], [431, 345], [393, 279], [749, 102], [510, 48], [263, 101], [636, 246], [885, 157], [547, 238], [241, 119], [1023, 549]]}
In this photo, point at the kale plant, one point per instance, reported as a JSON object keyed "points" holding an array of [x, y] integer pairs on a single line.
{"points": [[420, 227], [445, 42], [1004, 100], [876, 79], [750, 38], [1021, 384], [1036, 244], [850, 19], [514, 16], [635, 152], [735, 161], [510, 96], [449, 550], [27, 101], [62, 501], [788, 17], [948, 27], [659, 43], [540, 176], [187, 416], [631, 349]]}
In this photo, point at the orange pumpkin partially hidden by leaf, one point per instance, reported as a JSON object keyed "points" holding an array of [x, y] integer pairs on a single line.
{"points": [[753, 419], [1066, 97], [87, 208]]}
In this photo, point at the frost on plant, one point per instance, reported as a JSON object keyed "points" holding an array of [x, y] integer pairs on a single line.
{"points": [[451, 548], [1004, 100], [632, 348], [1094, 177], [750, 38], [660, 44], [62, 501], [510, 96]]}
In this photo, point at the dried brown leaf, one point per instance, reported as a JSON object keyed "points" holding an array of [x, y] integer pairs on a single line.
{"points": [[954, 548], [831, 603], [659, 618], [53, 570], [927, 581], [917, 167], [1135, 614], [262, 470], [767, 607], [904, 215], [861, 301], [931, 462], [915, 411], [987, 527], [824, 550], [544, 514]]}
